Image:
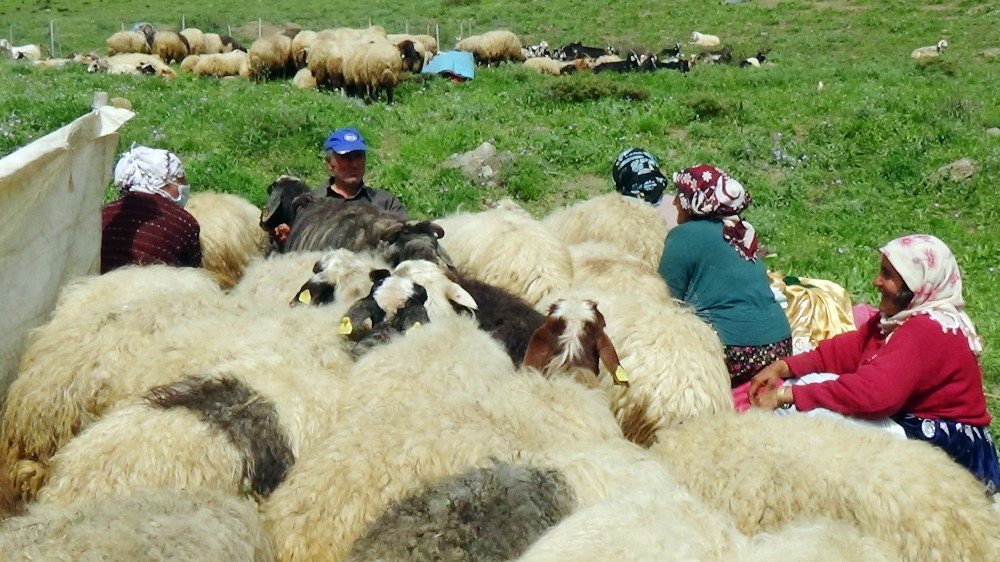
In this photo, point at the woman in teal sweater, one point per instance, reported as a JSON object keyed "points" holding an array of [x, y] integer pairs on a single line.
{"points": [[710, 261]]}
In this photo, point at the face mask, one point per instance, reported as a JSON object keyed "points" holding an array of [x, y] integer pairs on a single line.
{"points": [[184, 191]]}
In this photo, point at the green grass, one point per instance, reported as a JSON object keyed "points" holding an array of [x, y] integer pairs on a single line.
{"points": [[834, 173]]}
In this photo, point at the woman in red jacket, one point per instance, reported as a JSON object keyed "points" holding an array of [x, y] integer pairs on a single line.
{"points": [[915, 363]]}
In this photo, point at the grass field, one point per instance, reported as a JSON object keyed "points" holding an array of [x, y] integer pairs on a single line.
{"points": [[834, 173]]}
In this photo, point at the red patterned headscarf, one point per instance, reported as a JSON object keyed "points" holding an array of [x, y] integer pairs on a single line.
{"points": [[707, 191]]}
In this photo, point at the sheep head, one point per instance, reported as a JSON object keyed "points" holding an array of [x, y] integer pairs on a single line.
{"points": [[416, 240], [338, 274], [573, 336], [280, 195], [442, 285]]}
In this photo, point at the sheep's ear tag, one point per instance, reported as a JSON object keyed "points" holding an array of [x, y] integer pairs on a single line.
{"points": [[413, 327], [345, 327], [305, 297], [620, 376]]}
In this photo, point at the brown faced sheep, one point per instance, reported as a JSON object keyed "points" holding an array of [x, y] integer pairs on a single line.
{"points": [[195, 39], [170, 46]]}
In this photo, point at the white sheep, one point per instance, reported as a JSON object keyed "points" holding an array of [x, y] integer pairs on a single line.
{"points": [[128, 42], [929, 52], [148, 525], [492, 47], [508, 248], [170, 46], [190, 62], [372, 68], [212, 44], [632, 226], [430, 43], [301, 44], [767, 471], [136, 64], [61, 384], [600, 267], [270, 56], [235, 430], [221, 65], [196, 40], [27, 52], [704, 41], [304, 79], [418, 411], [271, 283], [545, 65], [230, 235]]}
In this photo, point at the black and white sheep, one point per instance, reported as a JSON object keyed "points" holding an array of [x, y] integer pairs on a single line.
{"points": [[929, 52]]}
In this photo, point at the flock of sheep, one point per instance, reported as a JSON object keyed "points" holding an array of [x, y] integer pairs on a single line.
{"points": [[485, 386]]}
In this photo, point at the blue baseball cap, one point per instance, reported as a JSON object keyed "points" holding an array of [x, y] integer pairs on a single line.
{"points": [[345, 140]]}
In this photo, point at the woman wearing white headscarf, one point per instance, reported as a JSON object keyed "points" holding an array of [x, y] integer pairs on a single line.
{"points": [[916, 363], [148, 224]]}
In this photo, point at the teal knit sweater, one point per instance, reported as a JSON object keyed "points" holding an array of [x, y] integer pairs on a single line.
{"points": [[727, 291]]}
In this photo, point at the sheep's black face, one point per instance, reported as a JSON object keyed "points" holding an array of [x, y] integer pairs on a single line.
{"points": [[280, 195], [418, 241], [315, 293]]}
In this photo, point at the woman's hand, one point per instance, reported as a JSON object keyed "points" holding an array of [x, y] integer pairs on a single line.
{"points": [[767, 399], [768, 378]]}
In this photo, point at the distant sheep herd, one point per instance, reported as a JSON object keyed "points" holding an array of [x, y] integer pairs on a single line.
{"points": [[485, 386]]}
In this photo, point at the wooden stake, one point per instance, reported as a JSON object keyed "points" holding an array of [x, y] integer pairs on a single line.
{"points": [[52, 38], [182, 22], [437, 34], [260, 25]]}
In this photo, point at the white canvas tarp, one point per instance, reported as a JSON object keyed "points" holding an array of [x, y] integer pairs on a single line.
{"points": [[50, 222]]}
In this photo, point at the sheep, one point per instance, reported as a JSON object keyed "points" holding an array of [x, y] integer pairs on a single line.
{"points": [[270, 57], [428, 412], [190, 62], [769, 470], [27, 52], [301, 44], [704, 41], [754, 61], [373, 68], [429, 42], [325, 223], [135, 64], [196, 40], [394, 306], [929, 52], [632, 226], [509, 319], [230, 44], [508, 248], [230, 235], [128, 42], [235, 431], [170, 46], [579, 51], [545, 65], [326, 62], [233, 63], [148, 525], [60, 388], [340, 275], [304, 79], [600, 267], [8, 497], [268, 283], [492, 47], [212, 44], [673, 361]]}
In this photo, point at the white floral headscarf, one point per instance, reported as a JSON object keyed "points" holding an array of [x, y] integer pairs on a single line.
{"points": [[147, 170], [929, 269]]}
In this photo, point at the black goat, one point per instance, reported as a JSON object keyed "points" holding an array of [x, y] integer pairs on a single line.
{"points": [[579, 51], [629, 64]]}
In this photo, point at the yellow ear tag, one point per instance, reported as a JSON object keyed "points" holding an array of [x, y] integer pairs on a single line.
{"points": [[305, 297], [621, 377], [345, 327], [413, 327]]}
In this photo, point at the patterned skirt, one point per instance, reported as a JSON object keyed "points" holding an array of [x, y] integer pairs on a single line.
{"points": [[743, 361], [969, 445]]}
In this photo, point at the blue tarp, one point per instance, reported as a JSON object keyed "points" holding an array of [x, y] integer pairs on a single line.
{"points": [[452, 63]]}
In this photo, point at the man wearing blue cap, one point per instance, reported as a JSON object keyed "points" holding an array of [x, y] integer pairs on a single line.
{"points": [[345, 158]]}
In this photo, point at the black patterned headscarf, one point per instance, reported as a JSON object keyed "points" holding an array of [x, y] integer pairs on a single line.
{"points": [[636, 174]]}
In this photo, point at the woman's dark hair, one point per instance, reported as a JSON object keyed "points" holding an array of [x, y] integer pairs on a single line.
{"points": [[903, 297]]}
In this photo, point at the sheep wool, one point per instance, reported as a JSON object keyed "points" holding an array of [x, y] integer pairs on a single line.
{"points": [[270, 57], [632, 226], [440, 401], [767, 471], [304, 79], [493, 47], [600, 267], [196, 40], [270, 283], [189, 63], [170, 46], [149, 525], [230, 235], [373, 68], [128, 42], [212, 44], [326, 62], [221, 65], [301, 44], [508, 248]]}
